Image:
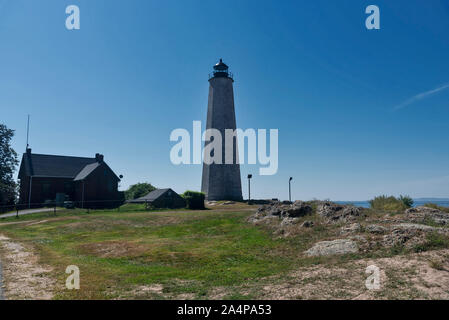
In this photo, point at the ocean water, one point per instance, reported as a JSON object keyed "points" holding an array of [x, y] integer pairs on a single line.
{"points": [[417, 203]]}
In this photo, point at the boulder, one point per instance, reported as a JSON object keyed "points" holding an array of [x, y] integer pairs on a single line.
{"points": [[298, 209], [339, 246], [328, 209], [335, 212]]}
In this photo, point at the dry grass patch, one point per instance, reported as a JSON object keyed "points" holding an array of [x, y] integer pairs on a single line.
{"points": [[114, 249], [24, 277]]}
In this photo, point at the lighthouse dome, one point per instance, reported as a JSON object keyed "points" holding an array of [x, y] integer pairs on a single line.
{"points": [[221, 66], [221, 70]]}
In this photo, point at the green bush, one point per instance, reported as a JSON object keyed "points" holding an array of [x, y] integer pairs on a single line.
{"points": [[194, 200], [138, 190], [407, 201], [391, 203]]}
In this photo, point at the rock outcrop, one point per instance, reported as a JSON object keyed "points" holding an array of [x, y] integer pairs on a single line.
{"points": [[422, 214], [327, 248], [283, 210], [350, 229], [375, 229], [410, 234], [360, 232], [338, 213]]}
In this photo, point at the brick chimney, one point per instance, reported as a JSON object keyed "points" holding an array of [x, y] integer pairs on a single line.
{"points": [[99, 157]]}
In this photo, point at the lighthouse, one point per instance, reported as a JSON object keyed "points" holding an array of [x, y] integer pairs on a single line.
{"points": [[221, 181]]}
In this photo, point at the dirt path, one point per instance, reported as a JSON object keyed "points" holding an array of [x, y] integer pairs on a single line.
{"points": [[23, 276], [2, 297], [24, 212]]}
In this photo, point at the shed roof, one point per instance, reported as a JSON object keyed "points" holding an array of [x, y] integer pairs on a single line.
{"points": [[153, 195]]}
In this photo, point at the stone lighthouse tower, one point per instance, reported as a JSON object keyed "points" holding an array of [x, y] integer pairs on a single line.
{"points": [[222, 181]]}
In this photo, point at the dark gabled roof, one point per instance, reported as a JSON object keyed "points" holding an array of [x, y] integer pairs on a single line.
{"points": [[51, 166], [87, 170], [153, 195], [42, 165]]}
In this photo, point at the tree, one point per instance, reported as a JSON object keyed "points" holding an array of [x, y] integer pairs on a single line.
{"points": [[8, 163], [138, 190]]}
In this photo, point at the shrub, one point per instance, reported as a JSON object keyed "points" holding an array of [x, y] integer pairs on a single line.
{"points": [[194, 200], [407, 201], [138, 190], [386, 203]]}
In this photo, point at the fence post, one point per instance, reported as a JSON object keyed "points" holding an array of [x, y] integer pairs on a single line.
{"points": [[17, 211], [54, 211]]}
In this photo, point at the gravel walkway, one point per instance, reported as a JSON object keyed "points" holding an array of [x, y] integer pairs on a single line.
{"points": [[24, 212]]}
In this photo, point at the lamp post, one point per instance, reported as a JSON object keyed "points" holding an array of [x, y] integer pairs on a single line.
{"points": [[290, 189], [249, 187]]}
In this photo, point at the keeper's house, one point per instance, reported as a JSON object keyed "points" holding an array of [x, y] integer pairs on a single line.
{"points": [[89, 182]]}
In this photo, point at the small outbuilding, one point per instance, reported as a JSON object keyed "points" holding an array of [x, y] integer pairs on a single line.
{"points": [[162, 198]]}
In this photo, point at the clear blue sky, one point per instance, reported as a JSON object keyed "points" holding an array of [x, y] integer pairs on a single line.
{"points": [[349, 105]]}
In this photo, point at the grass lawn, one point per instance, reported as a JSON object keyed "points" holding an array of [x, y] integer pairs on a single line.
{"points": [[208, 254], [187, 252]]}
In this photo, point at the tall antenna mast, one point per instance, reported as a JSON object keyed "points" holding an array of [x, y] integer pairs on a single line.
{"points": [[28, 130]]}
